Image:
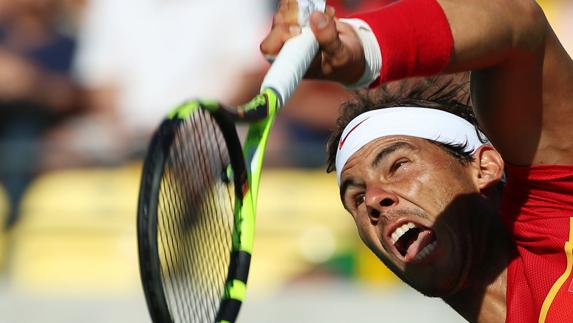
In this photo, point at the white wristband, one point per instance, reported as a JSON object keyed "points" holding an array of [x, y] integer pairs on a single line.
{"points": [[372, 53]]}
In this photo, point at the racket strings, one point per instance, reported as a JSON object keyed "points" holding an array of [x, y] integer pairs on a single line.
{"points": [[196, 221], [195, 191], [217, 170], [177, 271], [208, 300], [182, 267], [172, 263]]}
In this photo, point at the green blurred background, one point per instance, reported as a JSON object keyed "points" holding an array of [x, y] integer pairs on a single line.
{"points": [[69, 254]]}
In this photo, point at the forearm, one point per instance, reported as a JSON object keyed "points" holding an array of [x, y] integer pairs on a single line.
{"points": [[521, 75], [490, 33], [425, 37]]}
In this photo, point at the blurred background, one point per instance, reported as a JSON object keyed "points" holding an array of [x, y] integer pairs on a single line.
{"points": [[83, 84]]}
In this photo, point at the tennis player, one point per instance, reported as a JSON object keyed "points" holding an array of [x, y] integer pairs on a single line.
{"points": [[422, 183]]}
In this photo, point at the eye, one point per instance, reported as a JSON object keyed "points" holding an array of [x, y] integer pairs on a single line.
{"points": [[359, 199], [398, 164]]}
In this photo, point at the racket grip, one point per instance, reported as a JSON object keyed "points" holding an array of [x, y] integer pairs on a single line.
{"points": [[291, 64]]}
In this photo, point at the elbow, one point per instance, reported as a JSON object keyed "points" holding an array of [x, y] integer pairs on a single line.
{"points": [[530, 26]]}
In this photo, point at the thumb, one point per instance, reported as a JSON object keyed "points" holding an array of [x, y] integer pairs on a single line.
{"points": [[324, 28]]}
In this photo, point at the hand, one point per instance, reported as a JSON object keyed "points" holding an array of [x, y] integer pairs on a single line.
{"points": [[340, 57]]}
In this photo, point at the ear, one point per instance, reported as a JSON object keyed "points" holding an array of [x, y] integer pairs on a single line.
{"points": [[490, 166]]}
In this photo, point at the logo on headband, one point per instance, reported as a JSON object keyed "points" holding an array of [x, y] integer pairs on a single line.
{"points": [[343, 140]]}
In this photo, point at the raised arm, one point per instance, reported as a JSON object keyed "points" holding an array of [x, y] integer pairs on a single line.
{"points": [[522, 84]]}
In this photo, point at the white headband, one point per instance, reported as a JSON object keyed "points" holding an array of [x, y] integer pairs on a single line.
{"points": [[431, 124]]}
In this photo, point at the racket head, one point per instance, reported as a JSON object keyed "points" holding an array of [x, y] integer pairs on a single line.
{"points": [[190, 222]]}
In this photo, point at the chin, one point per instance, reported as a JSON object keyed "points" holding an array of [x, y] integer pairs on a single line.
{"points": [[432, 285], [432, 291]]}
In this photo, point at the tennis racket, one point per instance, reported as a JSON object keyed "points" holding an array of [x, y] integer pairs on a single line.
{"points": [[198, 197]]}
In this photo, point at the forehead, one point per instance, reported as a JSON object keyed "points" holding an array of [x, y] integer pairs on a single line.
{"points": [[377, 150]]}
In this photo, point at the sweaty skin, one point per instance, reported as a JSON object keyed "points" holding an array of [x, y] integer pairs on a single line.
{"points": [[398, 180], [400, 187]]}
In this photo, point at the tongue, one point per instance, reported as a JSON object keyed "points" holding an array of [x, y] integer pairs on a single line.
{"points": [[425, 237]]}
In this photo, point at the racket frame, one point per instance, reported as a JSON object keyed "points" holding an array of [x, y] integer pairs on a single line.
{"points": [[280, 82], [150, 187]]}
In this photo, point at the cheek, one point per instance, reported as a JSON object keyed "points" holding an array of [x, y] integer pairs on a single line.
{"points": [[366, 231], [361, 226], [372, 242], [435, 189], [423, 190]]}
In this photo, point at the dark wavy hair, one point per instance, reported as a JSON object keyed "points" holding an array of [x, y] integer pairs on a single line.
{"points": [[450, 93]]}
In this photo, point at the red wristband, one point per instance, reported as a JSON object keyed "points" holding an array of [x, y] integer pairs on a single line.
{"points": [[414, 37]]}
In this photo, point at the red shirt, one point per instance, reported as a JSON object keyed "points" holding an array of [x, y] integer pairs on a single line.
{"points": [[537, 209]]}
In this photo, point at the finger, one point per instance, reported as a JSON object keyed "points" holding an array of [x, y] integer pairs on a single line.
{"points": [[341, 57], [289, 10], [324, 27], [272, 44], [275, 40], [330, 11], [286, 3], [284, 27]]}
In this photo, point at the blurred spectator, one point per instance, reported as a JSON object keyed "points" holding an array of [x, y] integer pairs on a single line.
{"points": [[140, 58], [36, 90]]}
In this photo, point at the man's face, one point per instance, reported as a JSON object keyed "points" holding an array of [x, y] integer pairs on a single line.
{"points": [[407, 197]]}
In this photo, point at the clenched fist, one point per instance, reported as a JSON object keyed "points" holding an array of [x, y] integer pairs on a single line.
{"points": [[340, 57]]}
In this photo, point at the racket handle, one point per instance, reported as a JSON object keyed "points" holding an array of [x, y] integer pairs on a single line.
{"points": [[291, 64]]}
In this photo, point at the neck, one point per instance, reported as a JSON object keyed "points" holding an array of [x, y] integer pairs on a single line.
{"points": [[482, 304], [483, 297]]}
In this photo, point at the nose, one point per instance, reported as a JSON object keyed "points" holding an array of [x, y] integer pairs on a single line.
{"points": [[379, 201]]}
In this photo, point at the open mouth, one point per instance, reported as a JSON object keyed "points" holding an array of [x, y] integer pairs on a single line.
{"points": [[413, 242]]}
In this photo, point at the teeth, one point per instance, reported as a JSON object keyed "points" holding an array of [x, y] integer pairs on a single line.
{"points": [[426, 251], [398, 233]]}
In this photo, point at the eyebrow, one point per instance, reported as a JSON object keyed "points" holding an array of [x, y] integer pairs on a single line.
{"points": [[384, 153]]}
